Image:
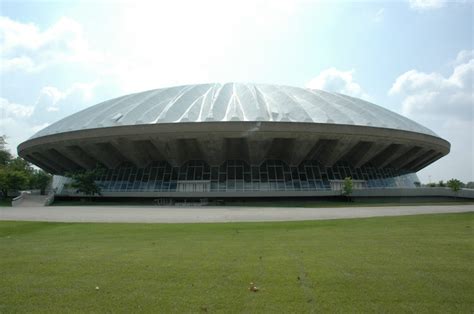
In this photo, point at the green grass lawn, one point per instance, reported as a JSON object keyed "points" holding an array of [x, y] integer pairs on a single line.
{"points": [[393, 264]]}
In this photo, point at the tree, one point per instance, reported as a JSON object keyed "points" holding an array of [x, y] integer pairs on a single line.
{"points": [[40, 180], [12, 180], [18, 174], [5, 155], [441, 184], [347, 188], [470, 185], [12, 176], [84, 181], [454, 185]]}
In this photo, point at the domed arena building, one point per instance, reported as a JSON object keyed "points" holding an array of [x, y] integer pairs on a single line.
{"points": [[236, 140]]}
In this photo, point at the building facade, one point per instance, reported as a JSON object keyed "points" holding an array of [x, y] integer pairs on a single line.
{"points": [[238, 140]]}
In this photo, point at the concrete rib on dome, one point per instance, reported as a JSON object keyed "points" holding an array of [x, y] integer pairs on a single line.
{"points": [[233, 102]]}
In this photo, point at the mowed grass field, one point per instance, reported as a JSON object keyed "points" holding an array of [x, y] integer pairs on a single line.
{"points": [[392, 264]]}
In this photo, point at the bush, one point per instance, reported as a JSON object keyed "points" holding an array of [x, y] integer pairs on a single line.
{"points": [[347, 188], [84, 181], [454, 184]]}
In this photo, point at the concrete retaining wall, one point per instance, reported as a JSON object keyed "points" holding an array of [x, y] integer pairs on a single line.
{"points": [[395, 192], [375, 192]]}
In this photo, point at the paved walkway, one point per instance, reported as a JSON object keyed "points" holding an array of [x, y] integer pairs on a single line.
{"points": [[150, 214]]}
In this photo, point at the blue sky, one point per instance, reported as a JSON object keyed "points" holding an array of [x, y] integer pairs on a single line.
{"points": [[413, 57]]}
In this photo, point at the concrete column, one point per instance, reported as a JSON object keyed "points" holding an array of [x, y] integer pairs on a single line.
{"points": [[79, 156], [213, 149], [427, 162], [40, 164], [300, 149], [128, 149], [412, 153], [357, 153], [147, 148], [257, 149], [413, 158], [385, 154], [342, 147], [57, 168], [422, 159], [60, 159], [106, 154], [237, 149], [170, 151], [319, 148], [373, 151], [281, 149], [401, 150]]}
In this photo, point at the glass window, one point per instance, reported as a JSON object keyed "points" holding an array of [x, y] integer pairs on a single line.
{"points": [[174, 174], [214, 173], [271, 173], [198, 173], [303, 177], [255, 173], [222, 177], [190, 173], [239, 172], [247, 177], [279, 173], [159, 174], [231, 173], [153, 174]]}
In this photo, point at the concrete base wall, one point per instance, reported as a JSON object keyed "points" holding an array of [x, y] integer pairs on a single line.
{"points": [[446, 192], [387, 192]]}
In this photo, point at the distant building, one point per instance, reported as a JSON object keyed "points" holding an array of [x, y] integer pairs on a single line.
{"points": [[236, 140]]}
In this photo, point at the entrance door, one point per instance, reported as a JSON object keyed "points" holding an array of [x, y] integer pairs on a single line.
{"points": [[194, 186]]}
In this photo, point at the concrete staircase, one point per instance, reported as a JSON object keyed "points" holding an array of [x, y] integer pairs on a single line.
{"points": [[30, 200]]}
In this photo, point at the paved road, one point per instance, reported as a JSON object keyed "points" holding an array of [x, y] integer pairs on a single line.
{"points": [[150, 214]]}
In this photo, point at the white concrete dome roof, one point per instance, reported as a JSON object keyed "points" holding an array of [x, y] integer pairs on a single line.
{"points": [[233, 102]]}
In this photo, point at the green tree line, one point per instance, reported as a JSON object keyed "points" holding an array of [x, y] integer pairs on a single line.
{"points": [[450, 184], [18, 174]]}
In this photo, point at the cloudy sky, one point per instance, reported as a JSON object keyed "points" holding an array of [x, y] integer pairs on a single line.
{"points": [[413, 57]]}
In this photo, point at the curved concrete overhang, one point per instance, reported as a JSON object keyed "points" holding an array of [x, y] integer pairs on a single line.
{"points": [[216, 142]]}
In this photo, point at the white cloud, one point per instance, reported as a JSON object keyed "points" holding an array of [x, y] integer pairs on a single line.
{"points": [[379, 16], [12, 110], [52, 93], [15, 123], [24, 46], [426, 4], [444, 103], [18, 131], [464, 56], [155, 44], [19, 122], [334, 80], [22, 62], [172, 46], [51, 97], [435, 94]]}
